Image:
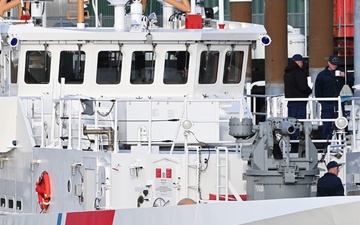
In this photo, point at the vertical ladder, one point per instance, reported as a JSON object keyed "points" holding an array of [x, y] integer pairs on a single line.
{"points": [[62, 118], [190, 169], [222, 166], [35, 118], [66, 123]]}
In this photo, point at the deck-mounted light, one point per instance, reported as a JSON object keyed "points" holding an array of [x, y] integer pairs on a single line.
{"points": [[2, 161], [13, 41], [75, 167], [187, 124], [33, 164], [265, 40], [341, 122]]}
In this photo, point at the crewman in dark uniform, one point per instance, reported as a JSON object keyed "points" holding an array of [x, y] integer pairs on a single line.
{"points": [[296, 86], [330, 184], [328, 84]]}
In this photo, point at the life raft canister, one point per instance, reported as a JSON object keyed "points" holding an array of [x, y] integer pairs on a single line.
{"points": [[44, 191]]}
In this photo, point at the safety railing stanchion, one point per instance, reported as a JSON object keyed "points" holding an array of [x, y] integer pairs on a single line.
{"points": [[354, 125]]}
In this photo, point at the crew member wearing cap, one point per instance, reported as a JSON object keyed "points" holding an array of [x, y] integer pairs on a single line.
{"points": [[296, 86], [327, 84], [330, 184]]}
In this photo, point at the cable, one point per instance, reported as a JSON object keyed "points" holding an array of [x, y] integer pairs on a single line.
{"points": [[97, 203], [206, 160], [207, 146], [162, 202], [107, 113]]}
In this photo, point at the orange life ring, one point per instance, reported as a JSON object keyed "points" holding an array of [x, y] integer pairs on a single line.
{"points": [[44, 191]]}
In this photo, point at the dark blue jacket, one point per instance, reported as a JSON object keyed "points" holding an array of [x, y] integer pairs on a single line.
{"points": [[330, 185], [295, 82], [329, 85]]}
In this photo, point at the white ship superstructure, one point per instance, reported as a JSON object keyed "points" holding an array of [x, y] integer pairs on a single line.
{"points": [[141, 116]]}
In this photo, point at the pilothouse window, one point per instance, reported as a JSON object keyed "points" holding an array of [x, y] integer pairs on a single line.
{"points": [[37, 68], [176, 67], [72, 65], [14, 67], [233, 67], [109, 67], [142, 67], [208, 67]]}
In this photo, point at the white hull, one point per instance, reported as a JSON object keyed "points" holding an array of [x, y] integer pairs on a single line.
{"points": [[320, 211], [128, 122]]}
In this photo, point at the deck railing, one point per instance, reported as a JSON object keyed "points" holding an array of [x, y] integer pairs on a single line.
{"points": [[69, 116], [77, 118]]}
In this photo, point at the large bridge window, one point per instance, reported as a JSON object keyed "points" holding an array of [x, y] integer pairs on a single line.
{"points": [[208, 67], [109, 67], [37, 67], [176, 67], [233, 67], [72, 64], [142, 67]]}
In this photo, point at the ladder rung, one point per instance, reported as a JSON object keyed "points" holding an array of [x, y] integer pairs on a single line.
{"points": [[36, 136], [37, 124], [33, 117]]}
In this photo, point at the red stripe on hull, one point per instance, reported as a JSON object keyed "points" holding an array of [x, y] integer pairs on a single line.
{"points": [[105, 217]]}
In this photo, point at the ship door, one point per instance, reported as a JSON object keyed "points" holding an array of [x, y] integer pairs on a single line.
{"points": [[100, 201], [89, 188]]}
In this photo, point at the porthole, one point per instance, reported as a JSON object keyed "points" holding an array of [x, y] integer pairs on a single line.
{"points": [[3, 202], [69, 185], [11, 203], [19, 205]]}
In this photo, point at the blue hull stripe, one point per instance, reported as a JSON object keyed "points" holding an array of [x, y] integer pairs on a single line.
{"points": [[59, 219]]}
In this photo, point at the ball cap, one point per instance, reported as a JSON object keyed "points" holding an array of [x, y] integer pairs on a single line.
{"points": [[333, 164], [297, 57], [334, 60]]}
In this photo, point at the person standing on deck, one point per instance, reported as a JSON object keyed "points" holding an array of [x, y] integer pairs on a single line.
{"points": [[328, 84], [296, 86], [330, 184]]}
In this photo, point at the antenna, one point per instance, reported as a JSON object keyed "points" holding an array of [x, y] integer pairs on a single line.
{"points": [[345, 32], [345, 93]]}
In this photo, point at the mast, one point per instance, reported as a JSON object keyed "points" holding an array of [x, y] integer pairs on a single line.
{"points": [[357, 44], [119, 13]]}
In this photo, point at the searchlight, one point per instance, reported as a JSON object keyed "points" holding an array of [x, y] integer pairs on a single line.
{"points": [[265, 40]]}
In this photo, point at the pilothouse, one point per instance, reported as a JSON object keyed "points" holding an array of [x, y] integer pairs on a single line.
{"points": [[101, 120]]}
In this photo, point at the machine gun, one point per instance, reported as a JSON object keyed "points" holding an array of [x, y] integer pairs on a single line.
{"points": [[275, 169]]}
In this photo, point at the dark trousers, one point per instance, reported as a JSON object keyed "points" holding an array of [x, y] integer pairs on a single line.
{"points": [[329, 110], [297, 110]]}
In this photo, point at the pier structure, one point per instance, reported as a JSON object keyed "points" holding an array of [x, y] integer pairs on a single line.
{"points": [[320, 35], [241, 11], [276, 53]]}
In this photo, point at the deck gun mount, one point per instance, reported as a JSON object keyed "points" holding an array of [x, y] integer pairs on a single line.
{"points": [[276, 169]]}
